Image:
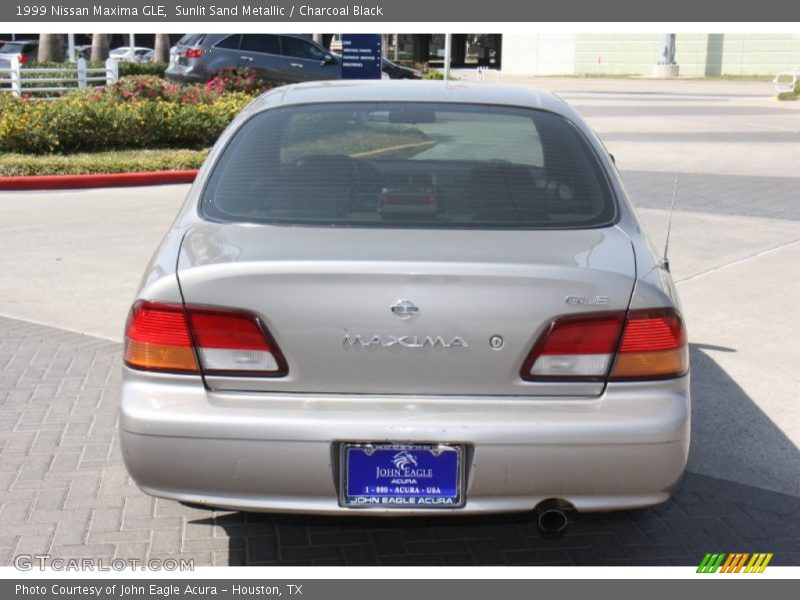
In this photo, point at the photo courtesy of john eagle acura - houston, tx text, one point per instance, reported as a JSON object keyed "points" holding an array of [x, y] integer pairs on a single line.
{"points": [[404, 298]]}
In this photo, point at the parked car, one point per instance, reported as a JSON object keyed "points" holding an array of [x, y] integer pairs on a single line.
{"points": [[407, 298], [25, 50], [141, 54], [395, 71], [279, 58]]}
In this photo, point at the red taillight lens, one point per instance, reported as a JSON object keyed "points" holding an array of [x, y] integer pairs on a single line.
{"points": [[576, 347], [653, 346], [157, 338], [193, 53], [169, 337], [648, 344], [23, 58]]}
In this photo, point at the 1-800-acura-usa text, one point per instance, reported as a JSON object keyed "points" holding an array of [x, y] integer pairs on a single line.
{"points": [[405, 298]]}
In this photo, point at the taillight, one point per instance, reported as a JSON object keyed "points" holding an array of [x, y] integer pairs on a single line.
{"points": [[233, 342], [171, 338], [23, 58], [157, 338], [193, 53], [642, 344], [575, 348], [653, 346]]}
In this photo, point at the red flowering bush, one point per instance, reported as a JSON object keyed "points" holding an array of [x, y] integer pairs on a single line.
{"points": [[195, 94], [141, 111], [241, 79], [138, 87], [147, 87]]}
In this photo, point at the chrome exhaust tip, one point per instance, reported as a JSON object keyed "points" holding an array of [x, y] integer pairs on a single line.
{"points": [[551, 517]]}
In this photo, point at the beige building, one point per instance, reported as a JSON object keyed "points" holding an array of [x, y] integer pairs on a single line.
{"points": [[698, 55], [530, 54]]}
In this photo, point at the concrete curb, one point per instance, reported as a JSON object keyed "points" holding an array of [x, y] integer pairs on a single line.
{"points": [[68, 182]]}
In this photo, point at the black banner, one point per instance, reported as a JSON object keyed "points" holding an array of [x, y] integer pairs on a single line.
{"points": [[378, 11], [730, 588]]}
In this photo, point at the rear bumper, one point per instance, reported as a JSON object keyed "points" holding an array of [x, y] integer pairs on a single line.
{"points": [[264, 452]]}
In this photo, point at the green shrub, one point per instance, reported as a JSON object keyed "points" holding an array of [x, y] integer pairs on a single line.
{"points": [[791, 95], [35, 64], [130, 161], [88, 121], [128, 69], [29, 78], [439, 76], [138, 111]]}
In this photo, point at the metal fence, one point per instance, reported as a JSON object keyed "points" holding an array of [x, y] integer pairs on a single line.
{"points": [[53, 80]]}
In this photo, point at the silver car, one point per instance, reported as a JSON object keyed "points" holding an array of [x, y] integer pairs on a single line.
{"points": [[407, 298]]}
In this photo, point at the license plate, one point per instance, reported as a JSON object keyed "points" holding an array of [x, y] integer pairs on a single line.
{"points": [[402, 475]]}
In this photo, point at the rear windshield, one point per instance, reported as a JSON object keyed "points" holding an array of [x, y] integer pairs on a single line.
{"points": [[191, 39], [409, 165]]}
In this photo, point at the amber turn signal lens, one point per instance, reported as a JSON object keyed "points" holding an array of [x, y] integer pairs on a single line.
{"points": [[663, 363], [157, 338], [163, 358], [653, 346]]}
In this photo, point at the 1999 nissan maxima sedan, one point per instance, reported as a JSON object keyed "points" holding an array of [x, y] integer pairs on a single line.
{"points": [[403, 298]]}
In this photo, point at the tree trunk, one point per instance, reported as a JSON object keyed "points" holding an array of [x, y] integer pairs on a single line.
{"points": [[161, 50], [51, 47], [99, 47]]}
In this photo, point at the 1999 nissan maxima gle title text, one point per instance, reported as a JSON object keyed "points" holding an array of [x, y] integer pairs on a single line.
{"points": [[406, 298]]}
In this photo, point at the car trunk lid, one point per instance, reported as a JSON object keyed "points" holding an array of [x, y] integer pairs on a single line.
{"points": [[405, 311]]}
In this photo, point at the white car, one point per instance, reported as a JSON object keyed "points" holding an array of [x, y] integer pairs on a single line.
{"points": [[123, 53]]}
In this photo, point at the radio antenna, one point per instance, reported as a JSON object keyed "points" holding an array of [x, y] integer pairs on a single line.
{"points": [[665, 259]]}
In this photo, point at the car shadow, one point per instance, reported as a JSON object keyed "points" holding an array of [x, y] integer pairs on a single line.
{"points": [[706, 513], [732, 437]]}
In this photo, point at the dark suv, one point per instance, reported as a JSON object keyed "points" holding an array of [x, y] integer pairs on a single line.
{"points": [[280, 58]]}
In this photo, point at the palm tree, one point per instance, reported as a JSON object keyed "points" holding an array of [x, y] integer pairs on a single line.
{"points": [[99, 46], [161, 50], [51, 47]]}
